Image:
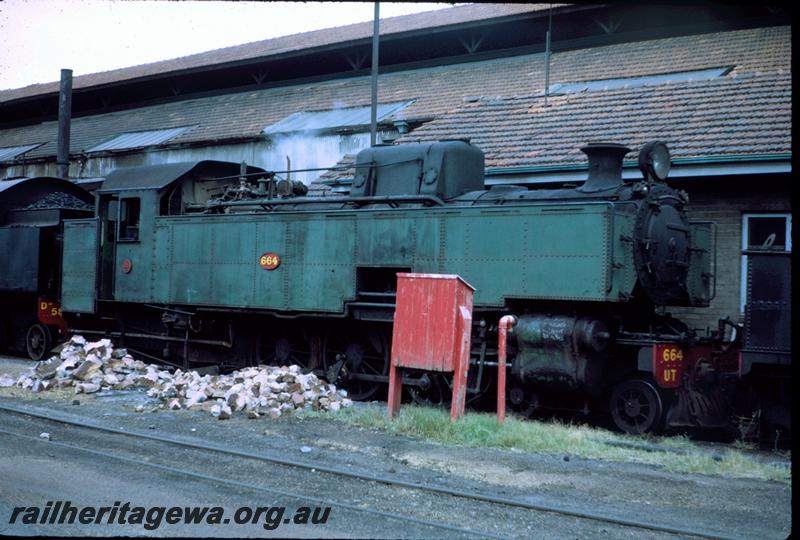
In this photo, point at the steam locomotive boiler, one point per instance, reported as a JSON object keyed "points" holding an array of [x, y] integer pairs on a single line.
{"points": [[189, 263]]}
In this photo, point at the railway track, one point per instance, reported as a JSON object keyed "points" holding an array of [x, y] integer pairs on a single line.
{"points": [[436, 529], [252, 487], [317, 468]]}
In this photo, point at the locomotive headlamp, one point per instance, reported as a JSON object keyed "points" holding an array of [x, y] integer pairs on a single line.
{"points": [[654, 160]]}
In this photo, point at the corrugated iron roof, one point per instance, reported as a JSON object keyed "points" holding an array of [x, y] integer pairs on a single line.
{"points": [[11, 153], [333, 119], [140, 139]]}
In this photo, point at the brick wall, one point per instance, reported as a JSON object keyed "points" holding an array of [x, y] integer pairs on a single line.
{"points": [[725, 203]]}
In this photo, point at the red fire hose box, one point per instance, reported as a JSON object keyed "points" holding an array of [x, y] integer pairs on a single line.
{"points": [[432, 330]]}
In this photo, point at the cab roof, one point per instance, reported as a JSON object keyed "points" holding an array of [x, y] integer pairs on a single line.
{"points": [[161, 176]]}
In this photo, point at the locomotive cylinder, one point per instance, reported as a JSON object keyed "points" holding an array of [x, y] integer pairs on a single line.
{"points": [[561, 349]]}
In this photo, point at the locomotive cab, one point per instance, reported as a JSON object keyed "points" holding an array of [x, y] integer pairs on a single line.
{"points": [[114, 249]]}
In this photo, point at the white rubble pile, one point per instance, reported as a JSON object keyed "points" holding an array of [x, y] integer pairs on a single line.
{"points": [[271, 391]]}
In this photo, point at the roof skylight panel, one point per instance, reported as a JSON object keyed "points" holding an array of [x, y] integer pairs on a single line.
{"points": [[637, 82], [333, 119], [139, 139], [13, 152]]}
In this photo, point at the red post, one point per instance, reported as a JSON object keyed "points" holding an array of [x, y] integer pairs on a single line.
{"points": [[462, 363], [395, 388], [506, 323]]}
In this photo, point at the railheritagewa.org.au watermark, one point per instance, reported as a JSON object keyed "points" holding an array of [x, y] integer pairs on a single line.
{"points": [[153, 517]]}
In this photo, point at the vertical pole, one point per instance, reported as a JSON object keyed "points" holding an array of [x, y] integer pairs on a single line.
{"points": [[64, 117], [373, 127], [547, 57], [506, 324], [395, 388], [462, 362]]}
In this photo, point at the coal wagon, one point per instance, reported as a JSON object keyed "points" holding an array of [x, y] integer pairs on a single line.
{"points": [[31, 215]]}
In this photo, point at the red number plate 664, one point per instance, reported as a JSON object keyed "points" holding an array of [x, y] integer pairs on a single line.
{"points": [[667, 364]]}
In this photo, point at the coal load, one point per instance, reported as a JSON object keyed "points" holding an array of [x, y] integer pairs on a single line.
{"points": [[272, 391], [59, 200]]}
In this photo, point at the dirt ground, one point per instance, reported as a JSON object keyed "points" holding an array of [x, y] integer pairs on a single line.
{"points": [[728, 507]]}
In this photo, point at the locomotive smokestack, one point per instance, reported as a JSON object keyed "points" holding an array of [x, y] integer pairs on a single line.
{"points": [[605, 166], [64, 118]]}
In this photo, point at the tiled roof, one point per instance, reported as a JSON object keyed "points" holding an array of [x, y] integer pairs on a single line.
{"points": [[287, 44], [340, 171], [437, 90], [730, 116]]}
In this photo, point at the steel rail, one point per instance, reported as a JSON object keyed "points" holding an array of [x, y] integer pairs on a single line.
{"points": [[553, 508], [253, 487]]}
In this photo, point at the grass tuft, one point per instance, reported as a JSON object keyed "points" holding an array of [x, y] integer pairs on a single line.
{"points": [[677, 454]]}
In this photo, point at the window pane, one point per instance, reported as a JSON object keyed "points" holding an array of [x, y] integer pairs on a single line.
{"points": [[760, 229], [129, 224]]}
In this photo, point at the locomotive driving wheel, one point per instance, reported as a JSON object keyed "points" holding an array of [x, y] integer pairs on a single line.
{"points": [[523, 400], [636, 406], [358, 360], [285, 346], [38, 341]]}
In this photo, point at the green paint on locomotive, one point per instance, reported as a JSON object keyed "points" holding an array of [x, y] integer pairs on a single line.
{"points": [[698, 280], [522, 249], [79, 266], [514, 252]]}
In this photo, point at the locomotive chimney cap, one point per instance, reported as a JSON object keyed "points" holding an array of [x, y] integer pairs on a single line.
{"points": [[605, 166]]}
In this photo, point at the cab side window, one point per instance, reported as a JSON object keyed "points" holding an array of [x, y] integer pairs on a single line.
{"points": [[129, 219]]}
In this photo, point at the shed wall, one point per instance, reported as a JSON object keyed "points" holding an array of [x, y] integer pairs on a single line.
{"points": [[306, 151], [725, 204]]}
